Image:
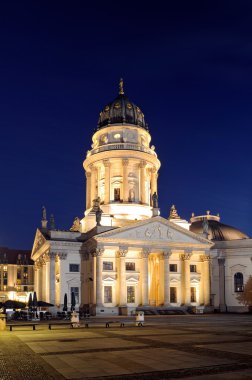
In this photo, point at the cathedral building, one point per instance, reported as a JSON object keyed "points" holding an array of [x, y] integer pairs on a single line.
{"points": [[122, 254]]}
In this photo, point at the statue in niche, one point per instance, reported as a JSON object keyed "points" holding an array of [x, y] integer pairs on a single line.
{"points": [[155, 200], [76, 225], [132, 195]]}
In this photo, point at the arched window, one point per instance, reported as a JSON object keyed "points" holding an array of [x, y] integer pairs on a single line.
{"points": [[238, 282]]}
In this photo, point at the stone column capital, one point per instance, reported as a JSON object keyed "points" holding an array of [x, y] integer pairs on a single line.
{"points": [[153, 170], [125, 161], [122, 252], [106, 163], [97, 252], [145, 253], [142, 164], [167, 254], [186, 255], [88, 174], [205, 258]]}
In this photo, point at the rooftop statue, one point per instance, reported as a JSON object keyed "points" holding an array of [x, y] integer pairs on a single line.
{"points": [[205, 226], [173, 213], [43, 213], [76, 225], [155, 200]]}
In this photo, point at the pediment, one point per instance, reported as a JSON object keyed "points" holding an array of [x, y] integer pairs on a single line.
{"points": [[39, 241], [155, 229]]}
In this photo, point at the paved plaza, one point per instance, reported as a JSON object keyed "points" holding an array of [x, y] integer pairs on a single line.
{"points": [[172, 347]]}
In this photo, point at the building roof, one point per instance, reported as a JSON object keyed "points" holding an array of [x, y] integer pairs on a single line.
{"points": [[15, 256], [121, 111], [217, 231]]}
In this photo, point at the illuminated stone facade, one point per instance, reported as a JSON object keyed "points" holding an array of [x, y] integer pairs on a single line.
{"points": [[122, 254]]}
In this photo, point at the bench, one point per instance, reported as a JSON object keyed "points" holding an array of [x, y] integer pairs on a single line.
{"points": [[134, 323], [90, 322], [60, 324], [22, 324]]}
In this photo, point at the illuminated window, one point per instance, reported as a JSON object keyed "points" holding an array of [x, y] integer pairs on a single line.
{"points": [[5, 268], [130, 294], [5, 287], [107, 294], [173, 268], [130, 266], [193, 268], [117, 136], [238, 282], [107, 265], [173, 294], [193, 294]]}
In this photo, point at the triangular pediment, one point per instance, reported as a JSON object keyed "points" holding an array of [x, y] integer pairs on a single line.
{"points": [[155, 229], [38, 242]]}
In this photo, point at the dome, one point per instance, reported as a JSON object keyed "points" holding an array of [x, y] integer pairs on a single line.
{"points": [[121, 111], [217, 231]]}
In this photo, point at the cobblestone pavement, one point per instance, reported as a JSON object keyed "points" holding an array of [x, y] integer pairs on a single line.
{"points": [[214, 347]]}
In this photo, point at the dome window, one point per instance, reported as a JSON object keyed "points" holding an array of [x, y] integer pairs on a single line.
{"points": [[117, 136]]}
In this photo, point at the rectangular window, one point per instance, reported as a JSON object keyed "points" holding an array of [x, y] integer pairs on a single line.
{"points": [[193, 268], [19, 274], [75, 290], [130, 266], [117, 194], [25, 288], [107, 294], [5, 281], [74, 268], [25, 269], [173, 268], [130, 294], [107, 265], [173, 294], [193, 295]]}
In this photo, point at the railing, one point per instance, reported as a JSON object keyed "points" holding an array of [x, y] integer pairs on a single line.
{"points": [[122, 146]]}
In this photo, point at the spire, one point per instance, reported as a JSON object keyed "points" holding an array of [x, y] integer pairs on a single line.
{"points": [[121, 91]]}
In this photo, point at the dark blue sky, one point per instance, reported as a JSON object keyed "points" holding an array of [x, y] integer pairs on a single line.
{"points": [[188, 65]]}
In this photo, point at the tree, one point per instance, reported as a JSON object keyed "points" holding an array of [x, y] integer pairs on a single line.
{"points": [[245, 297]]}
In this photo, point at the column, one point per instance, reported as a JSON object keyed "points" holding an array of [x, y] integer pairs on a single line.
{"points": [[153, 181], [93, 183], [187, 280], [52, 277], [43, 275], [166, 256], [106, 164], [47, 284], [142, 181], [98, 254], [206, 280], [122, 254], [88, 190], [125, 163], [222, 298], [145, 282]]}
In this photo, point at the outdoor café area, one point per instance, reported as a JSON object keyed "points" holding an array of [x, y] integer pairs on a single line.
{"points": [[35, 310]]}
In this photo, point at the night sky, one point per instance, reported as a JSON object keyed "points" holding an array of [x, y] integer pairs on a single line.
{"points": [[187, 65]]}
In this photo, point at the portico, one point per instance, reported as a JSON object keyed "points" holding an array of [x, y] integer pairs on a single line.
{"points": [[139, 266]]}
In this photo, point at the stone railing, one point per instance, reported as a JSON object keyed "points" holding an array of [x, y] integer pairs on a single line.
{"points": [[122, 146]]}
